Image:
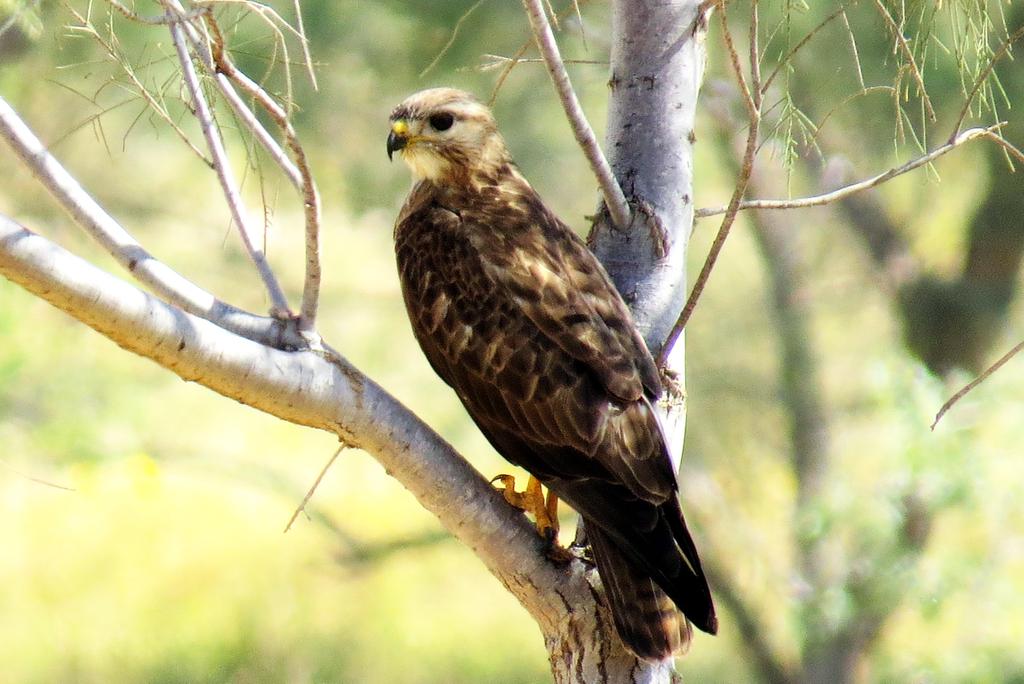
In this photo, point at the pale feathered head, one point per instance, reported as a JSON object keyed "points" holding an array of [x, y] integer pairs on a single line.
{"points": [[444, 132]]}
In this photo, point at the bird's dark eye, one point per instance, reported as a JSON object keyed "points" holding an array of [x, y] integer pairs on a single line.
{"points": [[442, 121]]}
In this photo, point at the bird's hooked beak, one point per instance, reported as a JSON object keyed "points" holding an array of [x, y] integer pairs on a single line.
{"points": [[398, 138]]}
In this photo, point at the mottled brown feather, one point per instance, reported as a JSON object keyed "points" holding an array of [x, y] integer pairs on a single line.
{"points": [[518, 317]]}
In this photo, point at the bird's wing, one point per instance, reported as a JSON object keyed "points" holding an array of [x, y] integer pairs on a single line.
{"points": [[539, 358], [562, 288], [531, 334]]}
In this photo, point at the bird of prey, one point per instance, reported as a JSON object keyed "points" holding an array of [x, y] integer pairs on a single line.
{"points": [[519, 318]]}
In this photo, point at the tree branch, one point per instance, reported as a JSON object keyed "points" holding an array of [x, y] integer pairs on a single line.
{"points": [[101, 226], [210, 50], [874, 181], [614, 198], [226, 177], [318, 390], [225, 69], [324, 391], [977, 381]]}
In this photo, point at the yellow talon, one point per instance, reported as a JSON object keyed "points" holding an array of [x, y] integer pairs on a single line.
{"points": [[544, 510]]}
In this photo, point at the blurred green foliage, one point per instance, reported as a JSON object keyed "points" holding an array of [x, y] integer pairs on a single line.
{"points": [[166, 563]]}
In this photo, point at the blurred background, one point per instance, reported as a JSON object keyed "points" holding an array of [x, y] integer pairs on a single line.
{"points": [[141, 516]]}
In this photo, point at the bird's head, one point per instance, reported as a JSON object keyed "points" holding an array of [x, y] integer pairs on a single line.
{"points": [[442, 133]]}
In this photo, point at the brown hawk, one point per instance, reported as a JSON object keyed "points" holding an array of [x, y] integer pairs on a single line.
{"points": [[519, 318]]}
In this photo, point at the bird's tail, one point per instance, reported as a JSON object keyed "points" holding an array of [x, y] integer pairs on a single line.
{"points": [[646, 619]]}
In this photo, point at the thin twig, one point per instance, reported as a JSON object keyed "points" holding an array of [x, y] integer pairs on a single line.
{"points": [[512, 63], [514, 60], [909, 56], [112, 52], [852, 188], [614, 199], [159, 20], [307, 57], [32, 478], [803, 41], [1010, 148], [248, 119], [226, 69], [502, 61], [854, 50], [276, 23], [1003, 50], [451, 39], [212, 55], [977, 381], [752, 96], [312, 489], [168, 284], [225, 175], [842, 103], [238, 105]]}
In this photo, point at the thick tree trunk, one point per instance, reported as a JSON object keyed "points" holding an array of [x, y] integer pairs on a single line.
{"points": [[657, 63]]}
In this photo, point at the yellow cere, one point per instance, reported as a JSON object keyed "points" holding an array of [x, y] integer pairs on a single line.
{"points": [[400, 127]]}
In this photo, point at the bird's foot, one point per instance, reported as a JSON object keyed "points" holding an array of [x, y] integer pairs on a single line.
{"points": [[544, 512]]}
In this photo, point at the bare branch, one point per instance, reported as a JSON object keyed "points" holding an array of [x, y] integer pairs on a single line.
{"points": [[226, 177], [213, 56], [324, 391], [614, 198], [307, 388], [276, 23], [225, 70], [512, 63], [208, 53], [248, 119], [263, 136], [158, 20], [977, 381], [101, 226], [316, 483], [496, 61], [874, 181]]}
